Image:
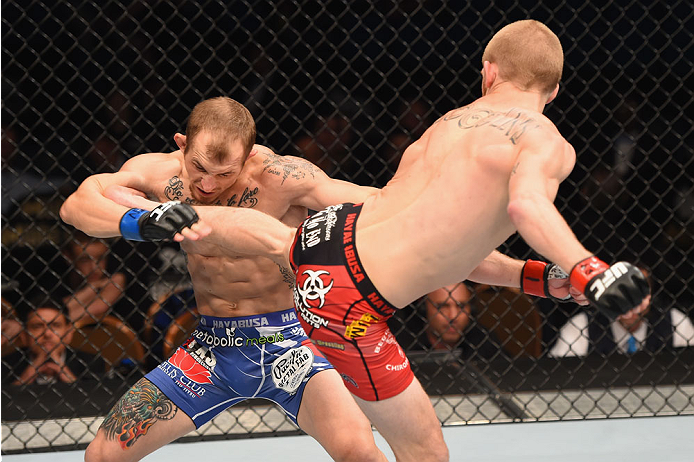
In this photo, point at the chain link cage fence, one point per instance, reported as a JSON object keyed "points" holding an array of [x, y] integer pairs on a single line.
{"points": [[348, 85]]}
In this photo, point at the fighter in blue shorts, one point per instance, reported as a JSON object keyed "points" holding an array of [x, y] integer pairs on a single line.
{"points": [[262, 352], [229, 360]]}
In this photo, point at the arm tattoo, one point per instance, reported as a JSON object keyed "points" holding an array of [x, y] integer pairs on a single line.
{"points": [[132, 416], [288, 166], [512, 123], [287, 275], [175, 189]]}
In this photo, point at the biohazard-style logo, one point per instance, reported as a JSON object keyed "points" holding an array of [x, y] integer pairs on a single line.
{"points": [[314, 288]]}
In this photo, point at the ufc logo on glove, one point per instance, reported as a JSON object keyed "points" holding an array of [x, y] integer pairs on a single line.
{"points": [[159, 211], [607, 278]]}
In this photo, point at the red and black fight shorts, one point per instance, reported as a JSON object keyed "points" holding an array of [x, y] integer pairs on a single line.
{"points": [[341, 310]]}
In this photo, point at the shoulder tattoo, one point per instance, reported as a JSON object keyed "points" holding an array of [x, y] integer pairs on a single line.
{"points": [[132, 416], [512, 123], [286, 167]]}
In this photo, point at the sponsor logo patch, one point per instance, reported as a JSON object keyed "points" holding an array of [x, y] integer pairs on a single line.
{"points": [[231, 340], [397, 367], [386, 339], [324, 344], [349, 380], [290, 369], [324, 221], [196, 361], [313, 288], [310, 293], [358, 328], [196, 364]]}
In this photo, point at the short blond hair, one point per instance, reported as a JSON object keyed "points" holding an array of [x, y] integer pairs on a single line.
{"points": [[528, 54], [227, 119]]}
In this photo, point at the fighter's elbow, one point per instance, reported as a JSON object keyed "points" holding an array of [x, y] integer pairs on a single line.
{"points": [[66, 211], [283, 246], [519, 208]]}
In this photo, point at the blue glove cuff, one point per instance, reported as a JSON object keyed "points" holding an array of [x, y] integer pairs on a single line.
{"points": [[129, 227]]}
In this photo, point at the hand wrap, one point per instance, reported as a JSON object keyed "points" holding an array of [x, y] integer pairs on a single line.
{"points": [[535, 278]]}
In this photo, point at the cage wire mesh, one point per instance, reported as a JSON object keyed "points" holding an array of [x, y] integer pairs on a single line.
{"points": [[348, 85]]}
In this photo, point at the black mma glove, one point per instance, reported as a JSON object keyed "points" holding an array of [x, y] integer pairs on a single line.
{"points": [[614, 290], [161, 223], [535, 277]]}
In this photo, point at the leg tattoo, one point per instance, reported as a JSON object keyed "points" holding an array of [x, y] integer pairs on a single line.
{"points": [[136, 411]]}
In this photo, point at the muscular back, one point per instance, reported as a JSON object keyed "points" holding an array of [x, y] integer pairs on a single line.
{"points": [[445, 209]]}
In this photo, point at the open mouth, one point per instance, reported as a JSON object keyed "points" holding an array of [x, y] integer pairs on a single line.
{"points": [[204, 193]]}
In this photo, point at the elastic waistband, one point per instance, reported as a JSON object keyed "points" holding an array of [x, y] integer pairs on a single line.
{"points": [[356, 270], [276, 318]]}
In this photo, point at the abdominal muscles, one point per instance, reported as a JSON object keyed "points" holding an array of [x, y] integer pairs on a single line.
{"points": [[239, 286]]}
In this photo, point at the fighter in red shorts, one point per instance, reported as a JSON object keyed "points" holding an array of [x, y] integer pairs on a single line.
{"points": [[341, 310], [479, 174]]}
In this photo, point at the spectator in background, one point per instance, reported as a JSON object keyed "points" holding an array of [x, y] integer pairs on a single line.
{"points": [[445, 321], [413, 118], [339, 138], [329, 146], [95, 291], [450, 324], [48, 358], [11, 328], [448, 313], [650, 327]]}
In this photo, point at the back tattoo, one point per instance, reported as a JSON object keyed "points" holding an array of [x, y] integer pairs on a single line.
{"points": [[513, 123]]}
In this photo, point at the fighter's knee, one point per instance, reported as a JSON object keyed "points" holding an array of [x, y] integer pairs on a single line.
{"points": [[436, 451], [93, 453], [432, 449], [440, 453], [97, 452], [359, 446], [358, 453]]}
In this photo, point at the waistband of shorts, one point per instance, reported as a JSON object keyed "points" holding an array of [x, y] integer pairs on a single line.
{"points": [[364, 285], [275, 318]]}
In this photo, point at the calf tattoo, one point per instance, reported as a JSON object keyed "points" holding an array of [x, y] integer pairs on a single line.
{"points": [[136, 412]]}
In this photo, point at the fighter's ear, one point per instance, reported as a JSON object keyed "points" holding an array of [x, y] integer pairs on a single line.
{"points": [[180, 140], [553, 94], [489, 75]]}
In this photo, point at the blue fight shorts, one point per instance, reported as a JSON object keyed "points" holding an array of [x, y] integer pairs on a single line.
{"points": [[228, 360]]}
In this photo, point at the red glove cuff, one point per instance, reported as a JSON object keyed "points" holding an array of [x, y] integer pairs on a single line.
{"points": [[532, 278], [584, 271]]}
